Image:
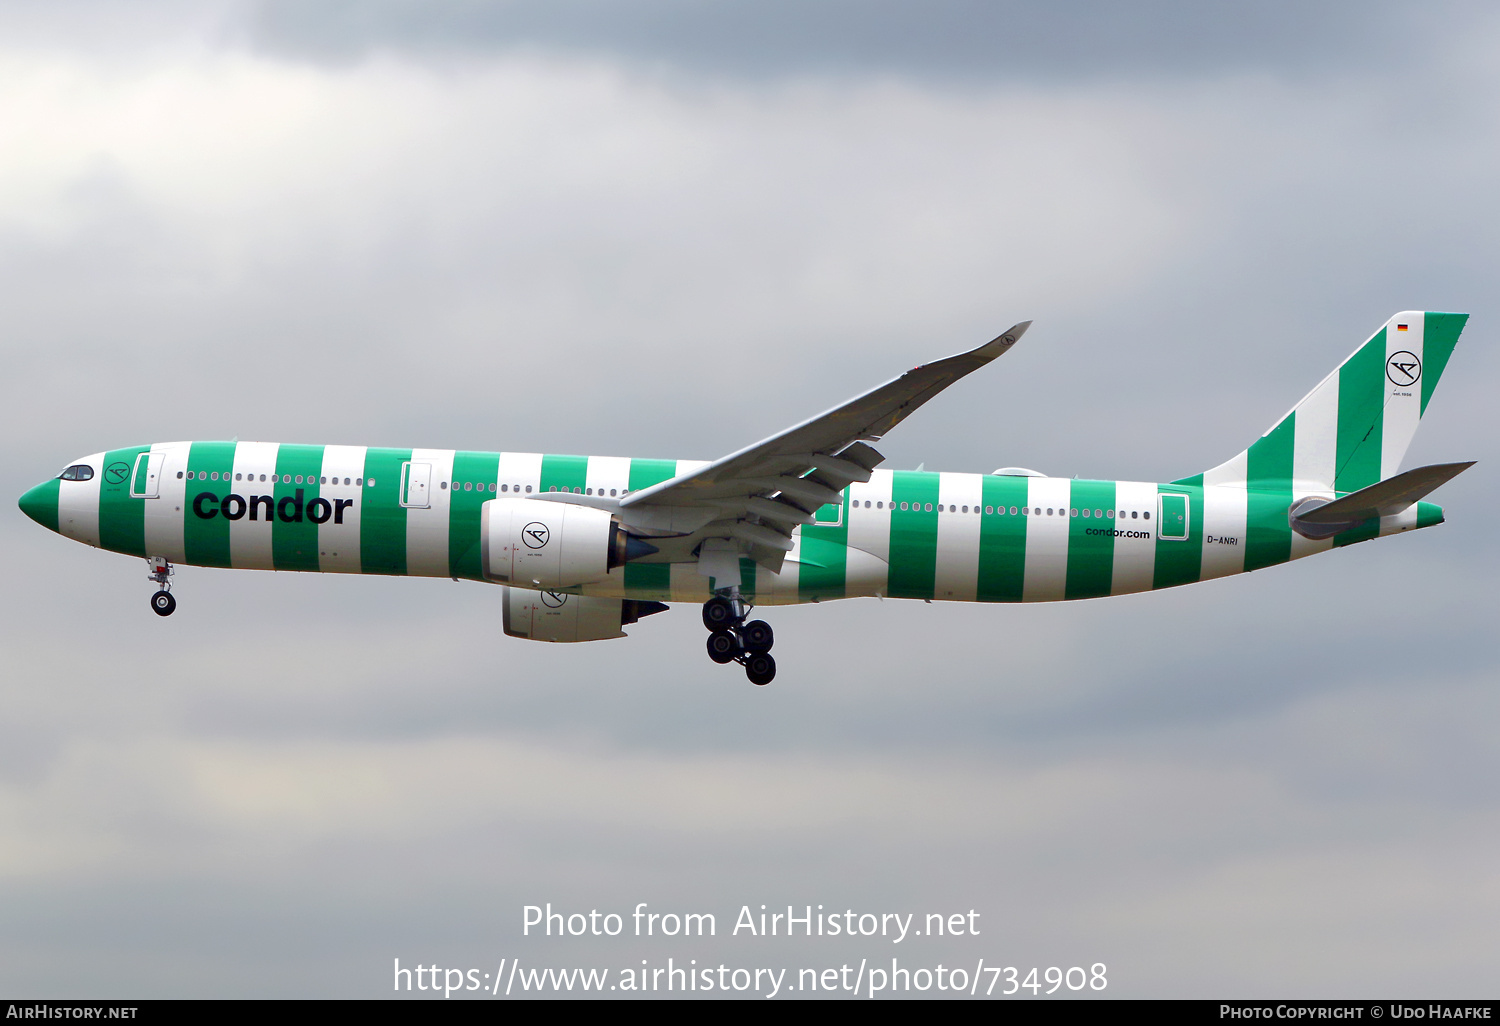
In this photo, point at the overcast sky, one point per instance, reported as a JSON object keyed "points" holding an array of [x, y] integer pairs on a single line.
{"points": [[668, 229]]}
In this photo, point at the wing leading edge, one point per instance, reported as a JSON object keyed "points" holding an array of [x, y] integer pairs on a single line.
{"points": [[756, 497]]}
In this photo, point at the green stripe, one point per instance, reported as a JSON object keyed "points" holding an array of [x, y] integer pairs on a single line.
{"points": [[1364, 532], [1002, 540], [648, 580], [1440, 333], [480, 470], [1268, 537], [748, 571], [205, 538], [41, 503], [1429, 514], [826, 550], [564, 473], [1269, 459], [1362, 395], [294, 536], [122, 520], [1091, 540], [1181, 562], [914, 532], [382, 522]]}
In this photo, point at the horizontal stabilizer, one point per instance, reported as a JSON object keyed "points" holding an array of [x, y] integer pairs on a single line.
{"points": [[1386, 498]]}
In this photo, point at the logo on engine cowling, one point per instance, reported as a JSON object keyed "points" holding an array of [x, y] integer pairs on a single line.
{"points": [[535, 535], [553, 599]]}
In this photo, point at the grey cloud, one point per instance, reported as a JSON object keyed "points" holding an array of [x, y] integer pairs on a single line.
{"points": [[945, 40]]}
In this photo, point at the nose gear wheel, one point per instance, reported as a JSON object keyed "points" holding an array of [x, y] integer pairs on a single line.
{"points": [[162, 603]]}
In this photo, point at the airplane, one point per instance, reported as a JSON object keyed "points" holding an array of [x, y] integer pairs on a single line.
{"points": [[584, 546]]}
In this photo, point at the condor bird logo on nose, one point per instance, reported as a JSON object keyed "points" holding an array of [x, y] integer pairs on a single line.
{"points": [[535, 535]]}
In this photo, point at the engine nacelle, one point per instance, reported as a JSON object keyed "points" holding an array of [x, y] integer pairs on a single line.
{"points": [[553, 616], [547, 545]]}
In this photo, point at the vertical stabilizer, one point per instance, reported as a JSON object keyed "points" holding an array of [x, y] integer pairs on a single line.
{"points": [[1353, 429]]}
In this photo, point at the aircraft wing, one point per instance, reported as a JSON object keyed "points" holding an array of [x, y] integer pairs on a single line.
{"points": [[759, 494]]}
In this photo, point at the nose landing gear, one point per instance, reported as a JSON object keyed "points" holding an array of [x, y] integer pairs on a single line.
{"points": [[162, 603], [733, 640]]}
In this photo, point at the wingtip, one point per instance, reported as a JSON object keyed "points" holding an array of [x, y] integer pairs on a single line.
{"points": [[1000, 343]]}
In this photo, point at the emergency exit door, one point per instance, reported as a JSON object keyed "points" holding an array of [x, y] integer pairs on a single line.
{"points": [[1172, 517], [416, 481], [145, 480]]}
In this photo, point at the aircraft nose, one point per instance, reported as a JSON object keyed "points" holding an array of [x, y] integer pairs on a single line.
{"points": [[40, 504]]}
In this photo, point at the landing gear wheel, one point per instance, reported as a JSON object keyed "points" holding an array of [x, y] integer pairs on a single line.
{"points": [[719, 613], [162, 603], [723, 646], [757, 637], [761, 669]]}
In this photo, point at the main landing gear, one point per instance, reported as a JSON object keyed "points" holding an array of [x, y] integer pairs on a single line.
{"points": [[162, 603], [734, 641]]}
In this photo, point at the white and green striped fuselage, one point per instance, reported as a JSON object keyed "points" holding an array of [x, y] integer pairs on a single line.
{"points": [[902, 534], [586, 545]]}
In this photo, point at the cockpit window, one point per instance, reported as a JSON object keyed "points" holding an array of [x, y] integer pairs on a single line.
{"points": [[78, 472]]}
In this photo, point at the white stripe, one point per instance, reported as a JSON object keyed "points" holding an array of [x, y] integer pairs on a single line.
{"points": [[1403, 521], [1046, 539], [338, 544], [520, 471], [957, 574], [1315, 447], [1224, 515], [870, 530], [78, 504], [1135, 558], [427, 529], [164, 514], [1403, 403], [607, 472], [1231, 472], [686, 584]]}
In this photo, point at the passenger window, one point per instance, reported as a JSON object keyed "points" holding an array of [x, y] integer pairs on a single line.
{"points": [[1146, 515], [1013, 511], [359, 482]]}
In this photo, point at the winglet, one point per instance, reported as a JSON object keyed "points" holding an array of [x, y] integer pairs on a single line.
{"points": [[1004, 341]]}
